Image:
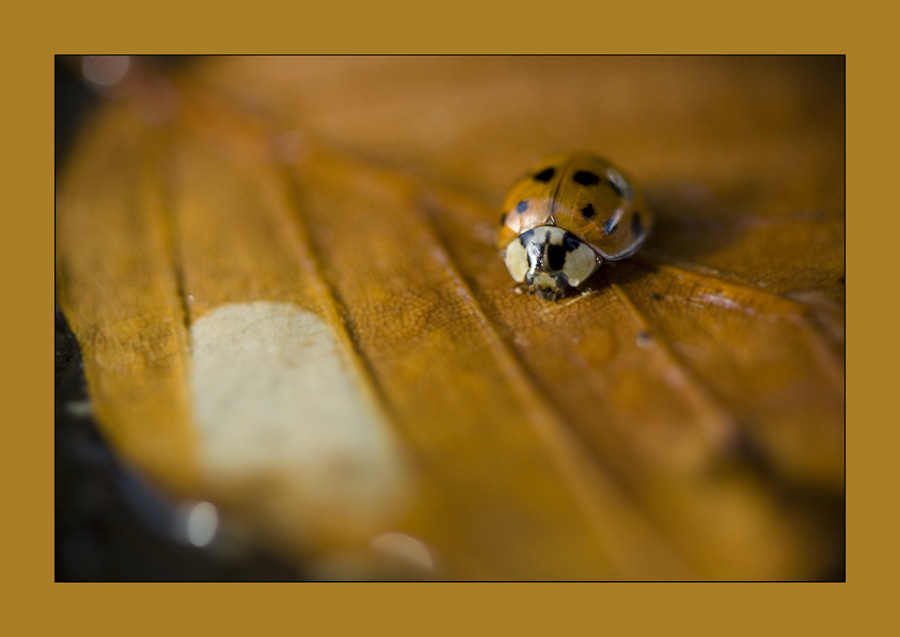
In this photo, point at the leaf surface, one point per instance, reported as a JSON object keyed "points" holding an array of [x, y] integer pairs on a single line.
{"points": [[283, 278]]}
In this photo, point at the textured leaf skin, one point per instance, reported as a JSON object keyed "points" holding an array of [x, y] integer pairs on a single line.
{"points": [[683, 420]]}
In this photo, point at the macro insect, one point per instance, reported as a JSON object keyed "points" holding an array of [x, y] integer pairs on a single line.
{"points": [[563, 218]]}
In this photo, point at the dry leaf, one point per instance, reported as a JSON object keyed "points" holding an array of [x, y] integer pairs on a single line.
{"points": [[282, 275]]}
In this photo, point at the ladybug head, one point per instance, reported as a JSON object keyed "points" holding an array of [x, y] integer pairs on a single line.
{"points": [[548, 260]]}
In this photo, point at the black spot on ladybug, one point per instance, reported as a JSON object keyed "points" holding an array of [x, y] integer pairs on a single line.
{"points": [[556, 257], [522, 207], [588, 211], [570, 242], [545, 175], [532, 249], [503, 219], [610, 226], [637, 227], [585, 178], [525, 238]]}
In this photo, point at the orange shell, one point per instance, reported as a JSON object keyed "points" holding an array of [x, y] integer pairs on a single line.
{"points": [[581, 193]]}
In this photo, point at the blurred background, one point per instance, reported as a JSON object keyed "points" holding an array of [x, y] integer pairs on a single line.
{"points": [[111, 524]]}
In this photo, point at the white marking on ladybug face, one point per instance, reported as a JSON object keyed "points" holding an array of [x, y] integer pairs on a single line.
{"points": [[516, 260], [581, 263], [549, 258]]}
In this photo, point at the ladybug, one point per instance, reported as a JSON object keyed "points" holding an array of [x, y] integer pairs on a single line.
{"points": [[563, 218]]}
